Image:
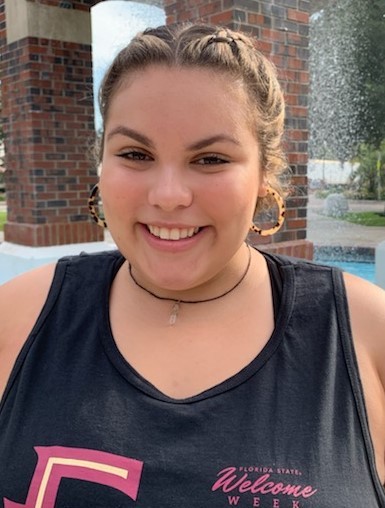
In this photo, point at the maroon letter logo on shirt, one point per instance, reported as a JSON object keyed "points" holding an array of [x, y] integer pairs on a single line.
{"points": [[56, 462]]}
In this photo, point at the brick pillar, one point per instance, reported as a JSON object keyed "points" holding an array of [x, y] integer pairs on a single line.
{"points": [[282, 29], [48, 121]]}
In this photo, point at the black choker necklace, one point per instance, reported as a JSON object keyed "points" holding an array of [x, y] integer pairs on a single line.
{"points": [[177, 302]]}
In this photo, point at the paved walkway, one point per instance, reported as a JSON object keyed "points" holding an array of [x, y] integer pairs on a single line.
{"points": [[325, 231]]}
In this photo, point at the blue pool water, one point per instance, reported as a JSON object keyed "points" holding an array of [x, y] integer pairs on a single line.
{"points": [[364, 270]]}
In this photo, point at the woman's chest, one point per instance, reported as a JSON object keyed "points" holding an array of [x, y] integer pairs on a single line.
{"points": [[250, 447]]}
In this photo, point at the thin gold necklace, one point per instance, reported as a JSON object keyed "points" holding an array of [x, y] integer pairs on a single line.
{"points": [[177, 302]]}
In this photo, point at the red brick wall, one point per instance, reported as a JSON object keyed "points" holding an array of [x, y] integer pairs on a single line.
{"points": [[48, 124], [282, 30], [2, 24]]}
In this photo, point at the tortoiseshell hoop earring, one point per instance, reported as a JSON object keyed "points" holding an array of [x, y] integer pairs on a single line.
{"points": [[94, 206], [280, 219]]}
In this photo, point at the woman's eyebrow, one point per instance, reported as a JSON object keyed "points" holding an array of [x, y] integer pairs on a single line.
{"points": [[130, 133], [203, 143], [141, 138]]}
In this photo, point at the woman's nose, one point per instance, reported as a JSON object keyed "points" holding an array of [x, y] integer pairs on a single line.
{"points": [[170, 189]]}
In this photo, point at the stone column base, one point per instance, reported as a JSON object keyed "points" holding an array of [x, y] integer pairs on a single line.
{"points": [[44, 235], [297, 248]]}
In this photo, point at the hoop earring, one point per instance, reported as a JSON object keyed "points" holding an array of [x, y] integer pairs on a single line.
{"points": [[280, 219], [93, 207]]}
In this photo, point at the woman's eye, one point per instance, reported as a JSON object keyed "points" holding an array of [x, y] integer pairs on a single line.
{"points": [[134, 155], [211, 160]]}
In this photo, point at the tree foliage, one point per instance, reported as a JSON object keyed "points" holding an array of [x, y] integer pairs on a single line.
{"points": [[369, 178]]}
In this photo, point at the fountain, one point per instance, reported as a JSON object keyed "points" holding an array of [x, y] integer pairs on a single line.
{"points": [[338, 115], [337, 99]]}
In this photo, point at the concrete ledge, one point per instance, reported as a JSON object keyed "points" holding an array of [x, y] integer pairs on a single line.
{"points": [[32, 19], [380, 265], [17, 259]]}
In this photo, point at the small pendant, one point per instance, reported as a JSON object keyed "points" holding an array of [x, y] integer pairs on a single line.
{"points": [[174, 313]]}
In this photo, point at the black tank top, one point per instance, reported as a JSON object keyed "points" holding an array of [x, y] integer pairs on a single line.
{"points": [[80, 428]]}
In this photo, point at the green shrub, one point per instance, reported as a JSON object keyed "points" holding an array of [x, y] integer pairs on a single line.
{"points": [[366, 218], [368, 180], [3, 218]]}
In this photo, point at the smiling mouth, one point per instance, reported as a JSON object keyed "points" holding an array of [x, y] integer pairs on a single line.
{"points": [[172, 233]]}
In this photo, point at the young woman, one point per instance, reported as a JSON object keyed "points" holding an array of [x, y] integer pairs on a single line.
{"points": [[187, 369]]}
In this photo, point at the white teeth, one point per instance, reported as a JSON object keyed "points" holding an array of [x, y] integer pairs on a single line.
{"points": [[172, 234], [175, 234]]}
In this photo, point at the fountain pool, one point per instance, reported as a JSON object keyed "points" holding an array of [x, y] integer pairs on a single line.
{"points": [[363, 269]]}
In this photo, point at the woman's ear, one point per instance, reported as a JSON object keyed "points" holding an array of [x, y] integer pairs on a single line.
{"points": [[262, 191]]}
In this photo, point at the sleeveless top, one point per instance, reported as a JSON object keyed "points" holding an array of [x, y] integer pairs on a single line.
{"points": [[80, 428]]}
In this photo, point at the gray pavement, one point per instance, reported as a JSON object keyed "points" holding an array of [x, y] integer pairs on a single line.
{"points": [[325, 231]]}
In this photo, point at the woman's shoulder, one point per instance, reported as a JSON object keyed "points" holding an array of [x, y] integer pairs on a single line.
{"points": [[23, 296], [367, 315], [366, 303], [21, 301]]}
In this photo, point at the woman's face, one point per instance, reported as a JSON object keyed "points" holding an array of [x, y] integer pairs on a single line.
{"points": [[180, 174]]}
